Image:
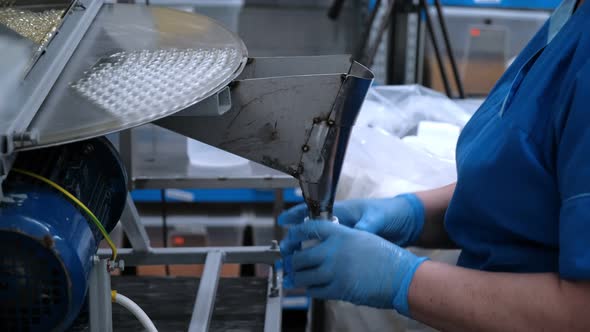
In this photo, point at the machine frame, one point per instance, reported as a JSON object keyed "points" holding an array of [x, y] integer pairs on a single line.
{"points": [[213, 258], [306, 137]]}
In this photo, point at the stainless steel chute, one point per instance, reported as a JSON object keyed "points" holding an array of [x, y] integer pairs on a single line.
{"points": [[291, 114]]}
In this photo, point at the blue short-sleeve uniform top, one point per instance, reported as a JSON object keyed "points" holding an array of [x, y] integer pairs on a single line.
{"points": [[522, 200]]}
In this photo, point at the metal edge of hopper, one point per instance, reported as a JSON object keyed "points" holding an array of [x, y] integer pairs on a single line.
{"points": [[43, 47]]}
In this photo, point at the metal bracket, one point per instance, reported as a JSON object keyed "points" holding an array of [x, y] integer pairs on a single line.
{"points": [[216, 105], [188, 255], [272, 321], [99, 293], [135, 230], [213, 258], [205, 301], [6, 161]]}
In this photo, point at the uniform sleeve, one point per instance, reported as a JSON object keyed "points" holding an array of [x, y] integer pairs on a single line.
{"points": [[573, 176]]}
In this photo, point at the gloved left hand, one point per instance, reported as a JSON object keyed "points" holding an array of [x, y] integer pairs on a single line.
{"points": [[349, 265]]}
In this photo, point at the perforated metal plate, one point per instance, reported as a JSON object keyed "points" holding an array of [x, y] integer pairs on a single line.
{"points": [[139, 85], [37, 26], [137, 64]]}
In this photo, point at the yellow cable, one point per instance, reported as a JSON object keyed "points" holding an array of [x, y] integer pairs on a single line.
{"points": [[77, 202], [113, 295]]}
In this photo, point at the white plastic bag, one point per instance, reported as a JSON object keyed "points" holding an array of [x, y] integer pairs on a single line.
{"points": [[378, 164], [399, 109], [404, 141]]}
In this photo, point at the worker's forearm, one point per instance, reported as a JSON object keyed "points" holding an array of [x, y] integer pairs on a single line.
{"points": [[450, 298], [435, 204]]}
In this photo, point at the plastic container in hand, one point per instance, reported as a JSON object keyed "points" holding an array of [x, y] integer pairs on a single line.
{"points": [[312, 243]]}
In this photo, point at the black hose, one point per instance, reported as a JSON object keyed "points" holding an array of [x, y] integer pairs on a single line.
{"points": [[361, 52], [384, 26], [335, 9], [445, 33], [164, 225], [443, 72]]}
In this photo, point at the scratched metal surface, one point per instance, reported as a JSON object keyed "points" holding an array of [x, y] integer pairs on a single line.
{"points": [[239, 307]]}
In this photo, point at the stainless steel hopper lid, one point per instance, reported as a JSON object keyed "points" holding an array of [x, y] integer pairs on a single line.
{"points": [[136, 64]]}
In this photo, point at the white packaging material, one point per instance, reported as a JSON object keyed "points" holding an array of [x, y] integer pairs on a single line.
{"points": [[206, 156], [404, 141], [399, 109], [438, 139], [431, 129], [381, 165]]}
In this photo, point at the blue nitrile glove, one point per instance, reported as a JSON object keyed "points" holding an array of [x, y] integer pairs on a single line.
{"points": [[349, 265], [399, 219]]}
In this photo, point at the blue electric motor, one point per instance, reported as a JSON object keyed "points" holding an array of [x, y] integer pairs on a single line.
{"points": [[46, 241]]}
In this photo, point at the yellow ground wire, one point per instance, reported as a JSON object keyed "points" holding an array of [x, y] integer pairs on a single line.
{"points": [[77, 202], [113, 295]]}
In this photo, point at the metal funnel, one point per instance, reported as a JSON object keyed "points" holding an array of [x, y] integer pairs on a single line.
{"points": [[291, 114]]}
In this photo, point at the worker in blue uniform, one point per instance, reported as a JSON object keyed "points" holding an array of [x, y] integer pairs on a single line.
{"points": [[520, 210]]}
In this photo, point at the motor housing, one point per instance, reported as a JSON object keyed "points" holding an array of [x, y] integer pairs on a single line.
{"points": [[47, 242]]}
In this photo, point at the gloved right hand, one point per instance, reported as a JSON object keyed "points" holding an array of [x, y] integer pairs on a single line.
{"points": [[349, 265], [398, 220]]}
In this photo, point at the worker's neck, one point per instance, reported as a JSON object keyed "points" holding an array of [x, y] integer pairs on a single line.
{"points": [[580, 2]]}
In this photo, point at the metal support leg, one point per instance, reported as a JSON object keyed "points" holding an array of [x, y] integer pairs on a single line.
{"points": [[278, 208], [99, 292], [205, 301], [273, 317], [126, 153], [429, 25], [134, 228]]}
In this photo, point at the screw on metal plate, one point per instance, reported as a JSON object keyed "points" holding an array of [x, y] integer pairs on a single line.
{"points": [[305, 148], [300, 170], [88, 149], [48, 242], [114, 265], [25, 137]]}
